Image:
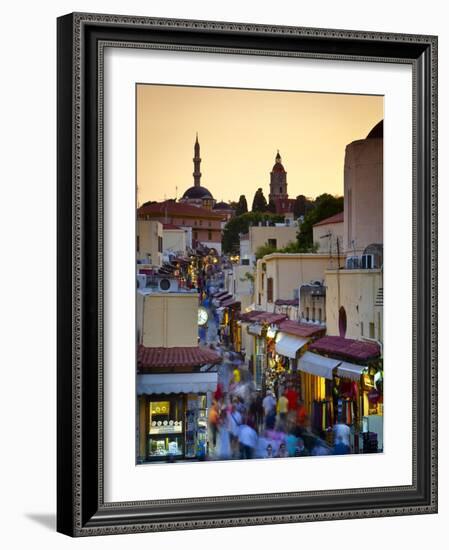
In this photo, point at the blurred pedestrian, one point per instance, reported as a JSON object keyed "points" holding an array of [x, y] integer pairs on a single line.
{"points": [[247, 440], [282, 451]]}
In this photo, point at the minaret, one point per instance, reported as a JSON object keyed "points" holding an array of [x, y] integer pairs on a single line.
{"points": [[278, 180], [196, 164]]}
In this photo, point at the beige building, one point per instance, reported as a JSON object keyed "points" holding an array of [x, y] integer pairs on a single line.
{"points": [[279, 276], [277, 236], [328, 235], [354, 303], [167, 319], [239, 281], [174, 240], [149, 242], [363, 193]]}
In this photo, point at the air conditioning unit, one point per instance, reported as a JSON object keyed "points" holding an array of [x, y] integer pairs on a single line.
{"points": [[352, 262], [166, 284], [367, 261], [141, 280]]}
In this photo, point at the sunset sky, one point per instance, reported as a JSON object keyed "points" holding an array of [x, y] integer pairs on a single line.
{"points": [[240, 132]]}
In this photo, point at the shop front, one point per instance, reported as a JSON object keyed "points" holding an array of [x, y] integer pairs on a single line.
{"points": [[173, 412], [352, 390]]}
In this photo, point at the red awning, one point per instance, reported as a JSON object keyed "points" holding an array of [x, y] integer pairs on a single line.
{"points": [[303, 330], [346, 348], [229, 303]]}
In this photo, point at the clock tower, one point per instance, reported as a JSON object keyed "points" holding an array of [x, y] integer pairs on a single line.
{"points": [[278, 181]]}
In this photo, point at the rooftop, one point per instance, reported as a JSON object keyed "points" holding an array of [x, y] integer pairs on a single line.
{"points": [[170, 226], [336, 218], [197, 192], [346, 348], [172, 208], [148, 358]]}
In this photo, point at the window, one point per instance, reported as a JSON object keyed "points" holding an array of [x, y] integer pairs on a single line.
{"points": [[209, 235], [319, 315], [280, 189], [201, 222], [342, 322], [361, 328], [307, 313], [313, 314], [269, 289], [159, 244], [371, 330], [195, 235], [262, 282], [273, 243]]}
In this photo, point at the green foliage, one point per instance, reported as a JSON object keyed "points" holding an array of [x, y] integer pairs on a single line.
{"points": [[302, 204], [242, 206], [259, 202], [291, 248], [241, 224], [264, 250], [325, 205], [248, 277]]}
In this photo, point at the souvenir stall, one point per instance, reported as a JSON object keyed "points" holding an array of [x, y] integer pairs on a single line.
{"points": [[292, 340], [173, 411], [317, 385], [259, 361], [356, 400]]}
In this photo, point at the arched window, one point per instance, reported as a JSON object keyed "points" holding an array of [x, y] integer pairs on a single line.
{"points": [[342, 321], [280, 189]]}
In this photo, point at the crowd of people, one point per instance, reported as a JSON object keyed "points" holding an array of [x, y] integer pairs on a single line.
{"points": [[265, 427], [245, 423]]}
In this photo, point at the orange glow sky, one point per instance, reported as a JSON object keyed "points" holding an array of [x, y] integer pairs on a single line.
{"points": [[240, 132]]}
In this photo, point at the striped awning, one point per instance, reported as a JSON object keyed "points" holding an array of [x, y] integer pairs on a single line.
{"points": [[350, 370], [318, 365], [196, 382], [288, 346], [256, 329]]}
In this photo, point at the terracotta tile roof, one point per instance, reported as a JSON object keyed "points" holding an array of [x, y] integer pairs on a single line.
{"points": [[336, 218], [171, 208], [346, 348], [170, 226], [229, 302], [302, 330], [175, 357], [269, 318], [248, 316], [281, 302]]}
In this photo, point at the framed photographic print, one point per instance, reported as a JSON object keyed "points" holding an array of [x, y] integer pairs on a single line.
{"points": [[247, 288]]}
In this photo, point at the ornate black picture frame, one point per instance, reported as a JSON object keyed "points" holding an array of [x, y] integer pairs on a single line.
{"points": [[81, 510]]}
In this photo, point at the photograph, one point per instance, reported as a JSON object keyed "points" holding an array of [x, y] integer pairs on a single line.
{"points": [[259, 274]]}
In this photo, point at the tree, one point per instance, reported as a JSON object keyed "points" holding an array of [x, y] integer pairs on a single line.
{"points": [[240, 224], [259, 201], [302, 204], [271, 207], [325, 205], [242, 206], [264, 250]]}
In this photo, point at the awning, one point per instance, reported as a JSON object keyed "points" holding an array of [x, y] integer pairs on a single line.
{"points": [[288, 346], [349, 370], [197, 382], [255, 329], [317, 365]]}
